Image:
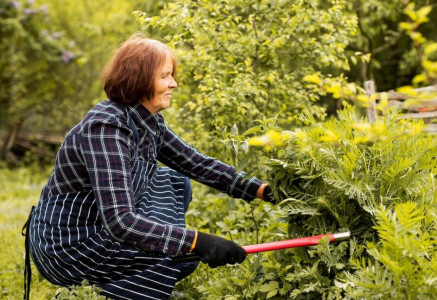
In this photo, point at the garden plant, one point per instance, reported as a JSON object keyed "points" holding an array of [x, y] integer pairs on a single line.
{"points": [[275, 88]]}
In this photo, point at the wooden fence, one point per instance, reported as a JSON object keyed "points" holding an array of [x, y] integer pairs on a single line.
{"points": [[423, 105]]}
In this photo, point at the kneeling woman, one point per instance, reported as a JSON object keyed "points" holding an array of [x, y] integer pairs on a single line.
{"points": [[108, 213]]}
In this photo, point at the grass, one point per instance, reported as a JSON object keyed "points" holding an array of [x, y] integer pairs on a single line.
{"points": [[20, 189]]}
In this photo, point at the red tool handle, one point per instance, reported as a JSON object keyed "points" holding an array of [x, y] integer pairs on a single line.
{"points": [[293, 243]]}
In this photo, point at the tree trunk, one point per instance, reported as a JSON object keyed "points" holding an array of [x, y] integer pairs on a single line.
{"points": [[9, 142]]}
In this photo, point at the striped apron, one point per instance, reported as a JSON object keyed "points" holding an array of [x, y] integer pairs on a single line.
{"points": [[68, 242]]}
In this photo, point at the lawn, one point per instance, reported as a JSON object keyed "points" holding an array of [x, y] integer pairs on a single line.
{"points": [[20, 189]]}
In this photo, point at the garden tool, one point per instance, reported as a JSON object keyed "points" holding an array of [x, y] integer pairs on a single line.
{"points": [[271, 246]]}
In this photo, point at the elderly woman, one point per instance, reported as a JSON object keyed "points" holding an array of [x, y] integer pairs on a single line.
{"points": [[108, 213]]}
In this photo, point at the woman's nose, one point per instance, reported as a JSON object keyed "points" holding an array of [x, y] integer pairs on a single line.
{"points": [[172, 83]]}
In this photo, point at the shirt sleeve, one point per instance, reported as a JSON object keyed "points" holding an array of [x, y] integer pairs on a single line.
{"points": [[107, 150], [177, 154]]}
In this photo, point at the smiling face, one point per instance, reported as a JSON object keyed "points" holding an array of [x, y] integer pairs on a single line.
{"points": [[164, 84]]}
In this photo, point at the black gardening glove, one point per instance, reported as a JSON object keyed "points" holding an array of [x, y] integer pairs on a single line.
{"points": [[268, 195], [217, 251]]}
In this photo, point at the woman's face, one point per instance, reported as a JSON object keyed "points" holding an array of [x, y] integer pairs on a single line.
{"points": [[163, 84]]}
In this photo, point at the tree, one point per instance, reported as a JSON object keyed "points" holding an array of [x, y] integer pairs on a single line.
{"points": [[32, 55], [394, 59], [245, 60], [52, 55]]}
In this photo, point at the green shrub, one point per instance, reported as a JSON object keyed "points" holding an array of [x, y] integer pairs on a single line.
{"points": [[403, 264], [85, 291], [343, 174], [242, 60]]}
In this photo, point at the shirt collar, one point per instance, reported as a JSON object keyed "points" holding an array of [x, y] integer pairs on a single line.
{"points": [[143, 117]]}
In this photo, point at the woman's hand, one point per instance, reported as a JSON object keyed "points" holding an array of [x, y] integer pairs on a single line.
{"points": [[265, 193], [217, 251]]}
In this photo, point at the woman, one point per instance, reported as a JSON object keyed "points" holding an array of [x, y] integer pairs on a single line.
{"points": [[108, 213]]}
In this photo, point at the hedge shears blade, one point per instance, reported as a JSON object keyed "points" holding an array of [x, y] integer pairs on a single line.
{"points": [[272, 246]]}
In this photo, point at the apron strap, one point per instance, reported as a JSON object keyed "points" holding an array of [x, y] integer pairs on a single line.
{"points": [[27, 267], [134, 130]]}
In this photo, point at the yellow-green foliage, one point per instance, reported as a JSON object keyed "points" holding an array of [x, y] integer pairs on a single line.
{"points": [[348, 174], [242, 60], [403, 264]]}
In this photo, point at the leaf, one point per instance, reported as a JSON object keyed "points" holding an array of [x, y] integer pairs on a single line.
{"points": [[245, 146], [271, 294], [313, 78], [268, 287], [407, 90], [407, 26], [432, 47], [424, 11], [252, 130], [234, 130], [222, 225], [408, 215]]}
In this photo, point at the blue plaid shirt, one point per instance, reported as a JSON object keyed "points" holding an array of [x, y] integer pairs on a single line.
{"points": [[97, 154]]}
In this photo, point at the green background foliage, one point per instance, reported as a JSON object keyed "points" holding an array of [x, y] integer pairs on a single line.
{"points": [[274, 88], [244, 60], [394, 58]]}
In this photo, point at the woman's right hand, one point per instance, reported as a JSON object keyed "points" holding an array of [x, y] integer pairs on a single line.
{"points": [[217, 251]]}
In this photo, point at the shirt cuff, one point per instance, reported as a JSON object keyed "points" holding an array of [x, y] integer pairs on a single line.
{"points": [[176, 240], [194, 242], [245, 189]]}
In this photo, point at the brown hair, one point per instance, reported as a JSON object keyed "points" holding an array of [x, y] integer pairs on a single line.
{"points": [[129, 75]]}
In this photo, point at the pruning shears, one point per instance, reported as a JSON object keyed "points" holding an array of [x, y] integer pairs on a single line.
{"points": [[271, 246]]}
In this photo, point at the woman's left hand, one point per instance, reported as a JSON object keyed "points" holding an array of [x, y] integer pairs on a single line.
{"points": [[265, 193]]}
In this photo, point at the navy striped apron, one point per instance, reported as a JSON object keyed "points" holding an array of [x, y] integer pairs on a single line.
{"points": [[68, 242]]}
